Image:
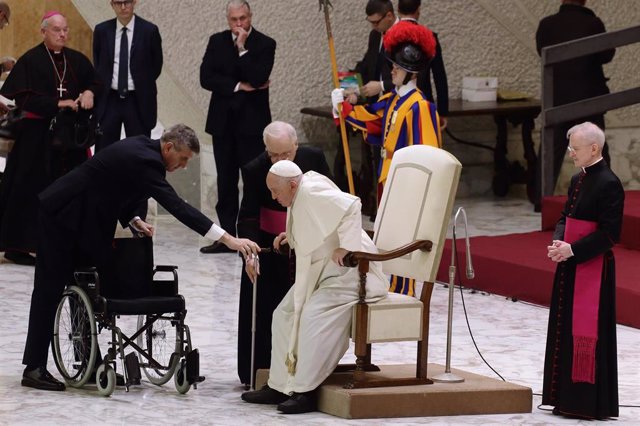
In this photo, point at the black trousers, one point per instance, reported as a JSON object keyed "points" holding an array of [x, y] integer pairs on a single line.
{"points": [[232, 152], [57, 257], [121, 111]]}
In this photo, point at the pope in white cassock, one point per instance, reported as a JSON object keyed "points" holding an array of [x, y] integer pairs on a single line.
{"points": [[311, 325]]}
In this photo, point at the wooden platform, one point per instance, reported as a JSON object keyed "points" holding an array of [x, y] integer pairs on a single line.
{"points": [[476, 395]]}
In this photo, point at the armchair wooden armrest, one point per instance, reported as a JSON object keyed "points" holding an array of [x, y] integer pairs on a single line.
{"points": [[361, 259]]}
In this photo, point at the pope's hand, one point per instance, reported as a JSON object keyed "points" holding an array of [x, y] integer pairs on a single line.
{"points": [[251, 268], [279, 241], [338, 256]]}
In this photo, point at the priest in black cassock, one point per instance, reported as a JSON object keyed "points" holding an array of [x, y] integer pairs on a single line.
{"points": [[261, 219], [581, 368], [45, 79]]}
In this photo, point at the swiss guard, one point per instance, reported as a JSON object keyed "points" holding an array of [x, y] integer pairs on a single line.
{"points": [[401, 117]]}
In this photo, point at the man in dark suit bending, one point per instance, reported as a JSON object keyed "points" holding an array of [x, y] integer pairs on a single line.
{"points": [[127, 53], [236, 68], [78, 215]]}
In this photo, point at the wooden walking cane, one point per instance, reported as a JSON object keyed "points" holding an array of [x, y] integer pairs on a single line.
{"points": [[325, 4]]}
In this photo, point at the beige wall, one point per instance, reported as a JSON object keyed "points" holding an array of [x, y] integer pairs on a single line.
{"points": [[479, 37]]}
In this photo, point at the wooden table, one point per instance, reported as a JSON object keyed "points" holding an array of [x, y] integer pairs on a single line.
{"points": [[521, 112]]}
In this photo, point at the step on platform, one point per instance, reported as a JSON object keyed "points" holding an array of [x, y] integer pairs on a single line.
{"points": [[476, 395]]}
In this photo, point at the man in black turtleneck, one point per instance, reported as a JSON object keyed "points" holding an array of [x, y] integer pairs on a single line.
{"points": [[580, 369], [45, 80], [576, 79]]}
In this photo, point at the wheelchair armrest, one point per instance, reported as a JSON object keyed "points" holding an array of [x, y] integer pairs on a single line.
{"points": [[87, 278], [168, 287], [353, 258]]}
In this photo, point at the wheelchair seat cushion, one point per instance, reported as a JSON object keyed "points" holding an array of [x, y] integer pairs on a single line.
{"points": [[145, 305]]}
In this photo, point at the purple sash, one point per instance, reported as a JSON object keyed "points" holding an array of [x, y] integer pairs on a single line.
{"points": [[586, 301], [273, 221]]}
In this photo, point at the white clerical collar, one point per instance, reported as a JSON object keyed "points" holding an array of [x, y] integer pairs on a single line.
{"points": [[234, 37], [129, 26], [409, 19], [406, 88], [584, 169]]}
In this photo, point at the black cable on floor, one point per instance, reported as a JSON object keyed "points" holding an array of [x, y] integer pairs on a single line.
{"points": [[466, 317]]}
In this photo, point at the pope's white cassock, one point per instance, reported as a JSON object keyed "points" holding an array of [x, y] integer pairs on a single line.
{"points": [[311, 325]]}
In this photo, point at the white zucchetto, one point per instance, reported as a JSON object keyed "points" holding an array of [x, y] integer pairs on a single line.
{"points": [[285, 168]]}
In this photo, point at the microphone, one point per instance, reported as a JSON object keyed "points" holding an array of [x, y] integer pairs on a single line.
{"points": [[470, 273]]}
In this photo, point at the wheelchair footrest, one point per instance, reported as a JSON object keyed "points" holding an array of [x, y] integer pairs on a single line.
{"points": [[132, 365], [193, 367]]}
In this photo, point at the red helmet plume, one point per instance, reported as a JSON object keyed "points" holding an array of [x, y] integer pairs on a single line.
{"points": [[409, 32]]}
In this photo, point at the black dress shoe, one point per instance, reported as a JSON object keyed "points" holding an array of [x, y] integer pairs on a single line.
{"points": [[299, 403], [40, 378], [216, 248], [266, 395], [20, 258]]}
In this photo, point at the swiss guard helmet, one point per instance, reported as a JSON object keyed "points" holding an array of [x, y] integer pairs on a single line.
{"points": [[409, 45]]}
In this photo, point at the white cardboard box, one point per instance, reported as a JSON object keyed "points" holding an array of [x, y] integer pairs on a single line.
{"points": [[480, 83], [479, 89]]}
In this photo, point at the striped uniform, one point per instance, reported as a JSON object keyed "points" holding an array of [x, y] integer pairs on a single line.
{"points": [[407, 120], [394, 122]]}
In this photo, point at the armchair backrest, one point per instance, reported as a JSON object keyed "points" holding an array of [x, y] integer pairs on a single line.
{"points": [[416, 204]]}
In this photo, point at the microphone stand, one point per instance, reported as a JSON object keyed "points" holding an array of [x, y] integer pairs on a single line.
{"points": [[448, 376]]}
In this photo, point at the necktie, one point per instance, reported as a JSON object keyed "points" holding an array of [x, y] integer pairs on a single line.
{"points": [[123, 68]]}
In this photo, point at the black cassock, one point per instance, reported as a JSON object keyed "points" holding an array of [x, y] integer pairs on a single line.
{"points": [[595, 195], [276, 271], [32, 164]]}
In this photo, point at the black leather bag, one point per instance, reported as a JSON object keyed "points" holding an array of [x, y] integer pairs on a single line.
{"points": [[71, 130]]}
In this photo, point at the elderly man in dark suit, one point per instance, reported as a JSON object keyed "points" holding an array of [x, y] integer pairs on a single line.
{"points": [[127, 53], [78, 216], [262, 219], [236, 68]]}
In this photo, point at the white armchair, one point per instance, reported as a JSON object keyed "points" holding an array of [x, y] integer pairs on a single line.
{"points": [[410, 232]]}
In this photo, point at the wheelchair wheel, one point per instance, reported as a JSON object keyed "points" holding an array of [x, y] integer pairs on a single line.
{"points": [[180, 379], [105, 379], [160, 341], [75, 341]]}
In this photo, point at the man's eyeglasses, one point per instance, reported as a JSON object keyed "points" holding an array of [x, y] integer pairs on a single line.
{"points": [[280, 155], [122, 3], [573, 149], [375, 22]]}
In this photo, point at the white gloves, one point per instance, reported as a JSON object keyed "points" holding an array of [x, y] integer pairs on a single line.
{"points": [[337, 98]]}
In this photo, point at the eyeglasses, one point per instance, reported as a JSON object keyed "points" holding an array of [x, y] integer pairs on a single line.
{"points": [[280, 155], [573, 150], [376, 21], [122, 3]]}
